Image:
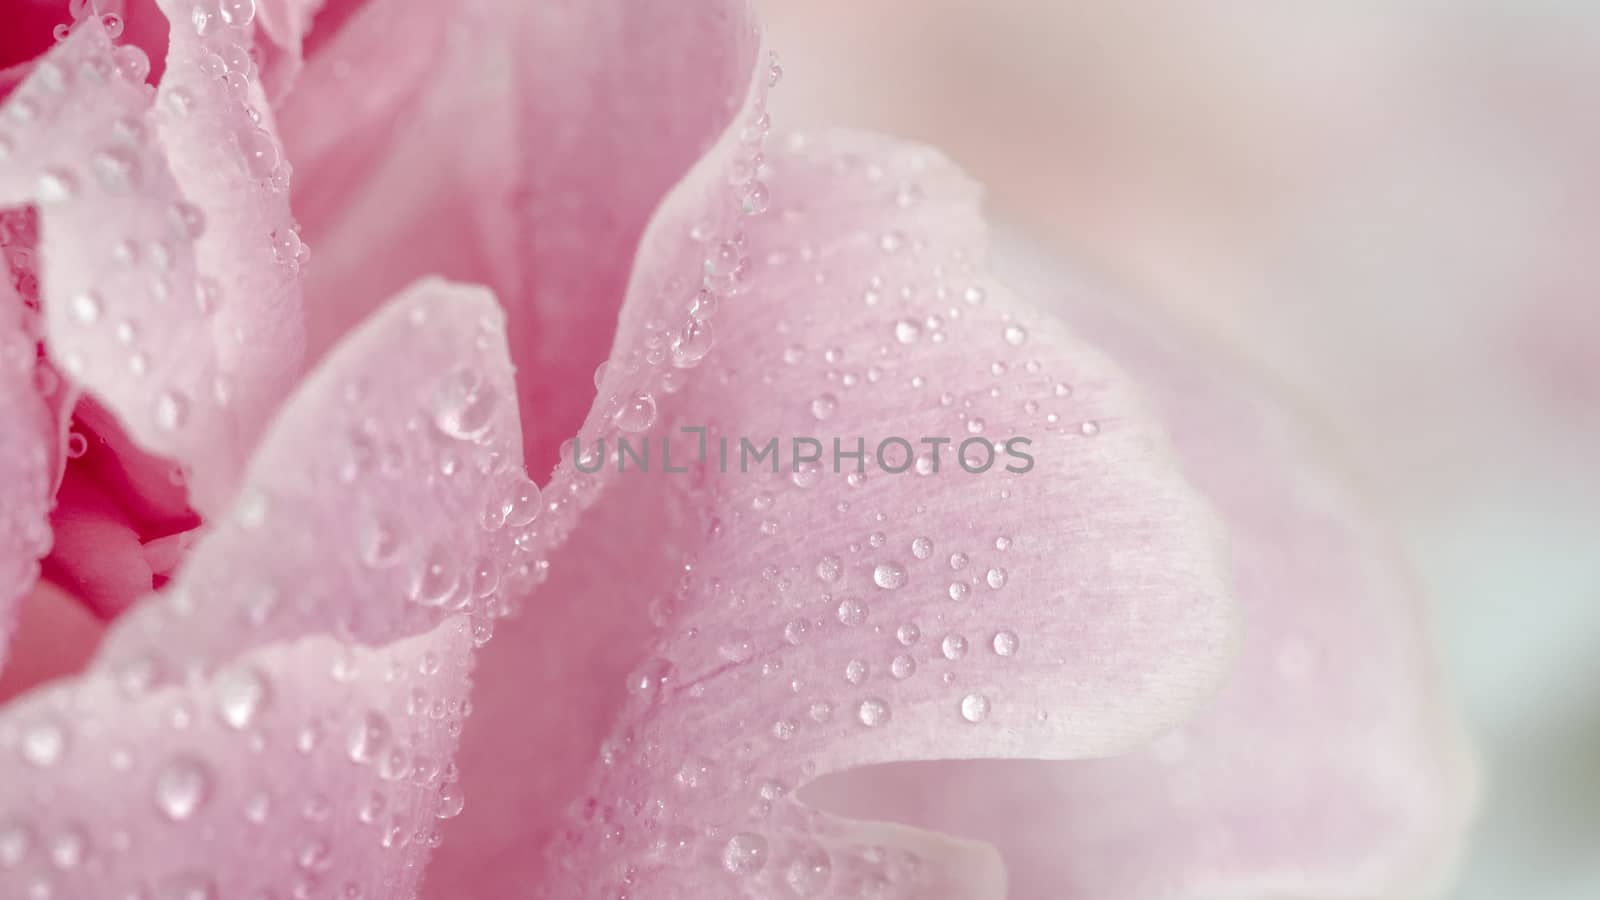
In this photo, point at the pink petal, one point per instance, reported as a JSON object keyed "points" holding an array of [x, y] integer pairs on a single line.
{"points": [[741, 634], [282, 718], [1329, 766], [55, 636], [26, 464], [523, 146], [97, 556], [161, 290]]}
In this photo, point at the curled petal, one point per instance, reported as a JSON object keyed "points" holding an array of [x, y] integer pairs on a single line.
{"points": [[170, 290], [749, 628], [283, 716], [568, 123], [1330, 764]]}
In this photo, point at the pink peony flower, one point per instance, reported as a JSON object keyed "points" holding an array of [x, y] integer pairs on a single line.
{"points": [[283, 502]]}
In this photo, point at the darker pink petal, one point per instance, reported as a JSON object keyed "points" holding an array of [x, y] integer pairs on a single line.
{"points": [[55, 636], [743, 634], [1329, 766]]}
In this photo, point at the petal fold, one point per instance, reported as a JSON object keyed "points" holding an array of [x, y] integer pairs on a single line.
{"points": [[170, 265], [1331, 765], [281, 719], [749, 631]]}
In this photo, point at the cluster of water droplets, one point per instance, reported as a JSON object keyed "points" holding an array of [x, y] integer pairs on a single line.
{"points": [[421, 590], [141, 288], [180, 787], [876, 621]]}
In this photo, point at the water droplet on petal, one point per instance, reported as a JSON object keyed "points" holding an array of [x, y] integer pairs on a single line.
{"points": [[1005, 643], [237, 13], [182, 786], [745, 853], [974, 707], [889, 576], [463, 405], [873, 712], [637, 412], [240, 694], [43, 744]]}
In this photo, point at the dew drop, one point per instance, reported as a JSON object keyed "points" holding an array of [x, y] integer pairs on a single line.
{"points": [[258, 151], [906, 331], [921, 548], [463, 404], [172, 410], [974, 707], [43, 744], [1016, 335], [851, 612], [954, 646], [452, 800], [237, 13], [873, 712], [182, 787], [995, 578], [637, 413], [368, 736], [829, 568], [903, 666], [889, 576], [87, 307], [745, 853], [824, 407], [1005, 643], [240, 695]]}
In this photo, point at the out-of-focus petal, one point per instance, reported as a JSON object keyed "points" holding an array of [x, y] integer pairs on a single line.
{"points": [[1329, 766], [282, 718], [170, 265], [524, 146], [26, 463], [746, 632]]}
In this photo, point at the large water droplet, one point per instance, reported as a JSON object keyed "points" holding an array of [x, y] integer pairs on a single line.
{"points": [[808, 874], [637, 412], [237, 13], [452, 800], [463, 404], [44, 743], [889, 576], [240, 694], [974, 707], [873, 712], [1005, 643], [745, 853], [182, 787], [851, 612], [368, 736]]}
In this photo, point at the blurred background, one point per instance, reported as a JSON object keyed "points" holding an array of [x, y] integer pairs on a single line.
{"points": [[1393, 208]]}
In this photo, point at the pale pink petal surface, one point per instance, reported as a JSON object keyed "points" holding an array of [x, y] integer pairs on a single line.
{"points": [[745, 633], [524, 146], [27, 445], [282, 717], [169, 267], [1330, 765]]}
